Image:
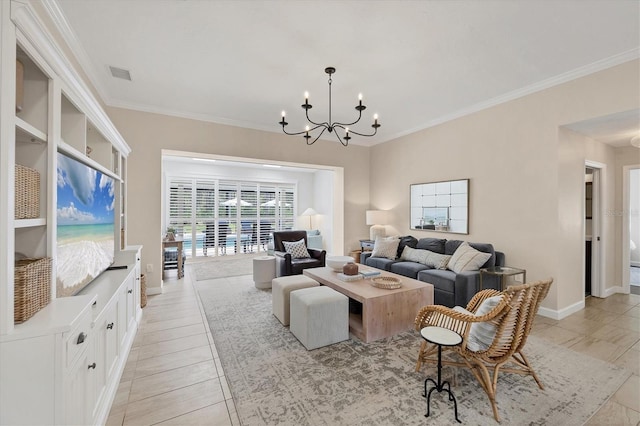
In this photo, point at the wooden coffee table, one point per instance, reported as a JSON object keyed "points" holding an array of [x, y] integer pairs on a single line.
{"points": [[384, 312]]}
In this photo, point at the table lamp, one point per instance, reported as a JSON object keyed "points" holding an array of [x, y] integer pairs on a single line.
{"points": [[377, 218]]}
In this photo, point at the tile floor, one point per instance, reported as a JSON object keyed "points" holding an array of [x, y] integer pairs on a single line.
{"points": [[173, 375]]}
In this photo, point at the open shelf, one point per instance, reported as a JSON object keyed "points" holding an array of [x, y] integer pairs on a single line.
{"points": [[33, 108]]}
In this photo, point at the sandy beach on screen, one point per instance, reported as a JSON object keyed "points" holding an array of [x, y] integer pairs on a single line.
{"points": [[80, 262]]}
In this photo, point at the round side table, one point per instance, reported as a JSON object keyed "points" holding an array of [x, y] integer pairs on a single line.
{"points": [[442, 337], [264, 270]]}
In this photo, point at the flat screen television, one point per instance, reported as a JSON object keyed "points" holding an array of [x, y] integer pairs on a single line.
{"points": [[85, 222]]}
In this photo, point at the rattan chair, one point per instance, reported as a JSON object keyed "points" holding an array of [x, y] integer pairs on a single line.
{"points": [[513, 317]]}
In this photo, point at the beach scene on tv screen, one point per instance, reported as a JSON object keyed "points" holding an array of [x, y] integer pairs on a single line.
{"points": [[85, 219]]}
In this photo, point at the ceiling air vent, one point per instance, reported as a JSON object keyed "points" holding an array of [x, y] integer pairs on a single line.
{"points": [[120, 73]]}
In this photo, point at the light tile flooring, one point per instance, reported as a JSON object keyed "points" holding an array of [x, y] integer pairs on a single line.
{"points": [[173, 375]]}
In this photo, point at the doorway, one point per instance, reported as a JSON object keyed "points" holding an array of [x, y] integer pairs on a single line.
{"points": [[631, 228], [593, 256]]}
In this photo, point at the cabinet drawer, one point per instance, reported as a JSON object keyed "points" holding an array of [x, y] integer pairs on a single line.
{"points": [[78, 339]]}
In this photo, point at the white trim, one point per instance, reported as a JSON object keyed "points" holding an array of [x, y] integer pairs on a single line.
{"points": [[524, 91], [626, 213], [598, 232], [561, 313], [613, 290], [154, 290]]}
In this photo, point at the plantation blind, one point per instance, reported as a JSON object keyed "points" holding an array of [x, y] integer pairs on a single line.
{"points": [[180, 203]]}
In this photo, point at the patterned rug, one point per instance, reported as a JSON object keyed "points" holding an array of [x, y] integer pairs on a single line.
{"points": [[223, 266], [275, 380]]}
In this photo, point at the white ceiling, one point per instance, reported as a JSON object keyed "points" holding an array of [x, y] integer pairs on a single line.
{"points": [[417, 63]]}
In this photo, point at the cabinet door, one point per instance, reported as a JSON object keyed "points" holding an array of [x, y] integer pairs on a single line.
{"points": [[131, 304], [122, 317], [80, 391], [111, 340]]}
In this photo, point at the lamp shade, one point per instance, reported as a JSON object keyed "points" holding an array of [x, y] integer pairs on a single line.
{"points": [[376, 217], [309, 212]]}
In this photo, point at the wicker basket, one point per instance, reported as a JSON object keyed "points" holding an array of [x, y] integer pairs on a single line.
{"points": [[143, 291], [32, 287], [27, 193], [387, 283]]}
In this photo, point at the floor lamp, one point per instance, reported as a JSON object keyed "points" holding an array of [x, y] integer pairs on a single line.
{"points": [[309, 212]]}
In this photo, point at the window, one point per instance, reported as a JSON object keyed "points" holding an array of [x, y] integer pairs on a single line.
{"points": [[226, 216]]}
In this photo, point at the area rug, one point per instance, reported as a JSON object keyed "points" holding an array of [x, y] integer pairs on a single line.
{"points": [[223, 266], [275, 380]]}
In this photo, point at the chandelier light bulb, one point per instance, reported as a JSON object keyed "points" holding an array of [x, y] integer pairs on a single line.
{"points": [[284, 114], [375, 116], [306, 95], [306, 128], [346, 130], [359, 96]]}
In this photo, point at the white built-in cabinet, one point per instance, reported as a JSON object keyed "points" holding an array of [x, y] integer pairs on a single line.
{"points": [[63, 365]]}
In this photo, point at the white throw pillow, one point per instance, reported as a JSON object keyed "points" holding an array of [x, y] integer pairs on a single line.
{"points": [[413, 255], [437, 260], [386, 247], [481, 334], [297, 249], [466, 258]]}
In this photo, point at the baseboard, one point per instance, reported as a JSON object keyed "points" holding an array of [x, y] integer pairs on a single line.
{"points": [[562, 313], [612, 290], [153, 290]]}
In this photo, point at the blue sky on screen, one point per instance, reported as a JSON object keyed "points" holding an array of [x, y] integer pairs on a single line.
{"points": [[85, 196]]}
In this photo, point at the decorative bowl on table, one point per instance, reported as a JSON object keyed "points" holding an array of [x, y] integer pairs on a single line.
{"points": [[388, 283], [337, 262]]}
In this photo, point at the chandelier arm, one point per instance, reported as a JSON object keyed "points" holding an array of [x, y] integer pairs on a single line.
{"points": [[375, 130], [317, 137], [325, 124], [337, 124], [299, 133], [341, 141]]}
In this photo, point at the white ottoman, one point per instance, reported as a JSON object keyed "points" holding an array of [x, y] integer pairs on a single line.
{"points": [[319, 316], [281, 288], [264, 270]]}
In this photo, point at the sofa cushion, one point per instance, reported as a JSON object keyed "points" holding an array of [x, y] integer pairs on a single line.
{"points": [[440, 278], [466, 258], [408, 269], [435, 245], [297, 249], [386, 247], [380, 263]]}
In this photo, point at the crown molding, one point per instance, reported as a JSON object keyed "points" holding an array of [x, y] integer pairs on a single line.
{"points": [[62, 26], [31, 27], [592, 68], [204, 117]]}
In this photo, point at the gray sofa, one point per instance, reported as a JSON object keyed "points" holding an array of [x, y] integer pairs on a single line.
{"points": [[450, 289]]}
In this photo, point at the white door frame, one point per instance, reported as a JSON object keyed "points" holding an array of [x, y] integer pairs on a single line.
{"points": [[626, 213], [597, 230]]}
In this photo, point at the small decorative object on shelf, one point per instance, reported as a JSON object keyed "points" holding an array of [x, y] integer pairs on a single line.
{"points": [[171, 234], [388, 283], [19, 85], [27, 189], [350, 269], [89, 150]]}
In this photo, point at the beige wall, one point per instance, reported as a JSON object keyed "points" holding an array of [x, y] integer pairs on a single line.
{"points": [[522, 175], [148, 134]]}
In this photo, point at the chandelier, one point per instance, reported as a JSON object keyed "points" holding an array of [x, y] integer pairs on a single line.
{"points": [[329, 125]]}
